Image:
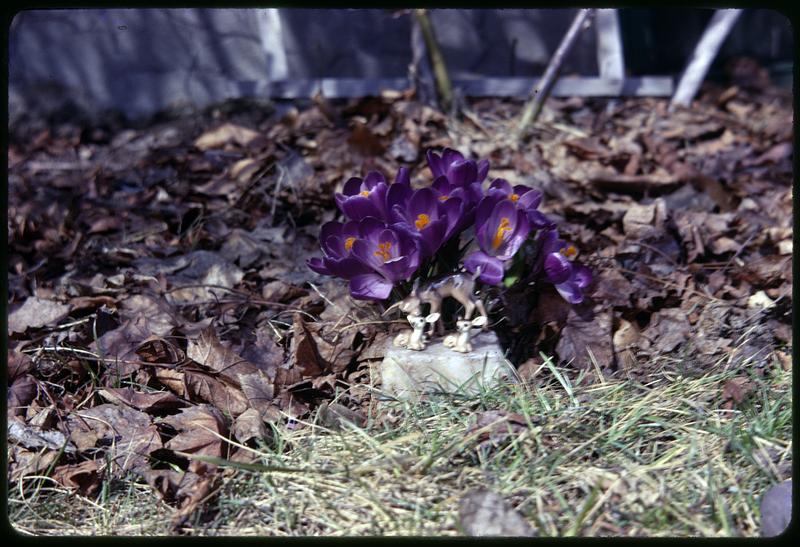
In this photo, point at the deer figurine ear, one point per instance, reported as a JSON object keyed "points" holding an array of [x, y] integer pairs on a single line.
{"points": [[479, 321], [432, 318]]}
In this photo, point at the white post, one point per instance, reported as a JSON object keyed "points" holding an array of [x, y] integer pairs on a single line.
{"points": [[610, 59], [271, 34], [717, 30]]}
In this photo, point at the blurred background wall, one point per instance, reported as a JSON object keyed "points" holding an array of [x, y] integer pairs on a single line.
{"points": [[140, 61]]}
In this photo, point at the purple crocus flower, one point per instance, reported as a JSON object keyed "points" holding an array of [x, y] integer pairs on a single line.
{"points": [[429, 219], [554, 263], [389, 255], [364, 197], [458, 170], [372, 256], [336, 240], [525, 197], [500, 229]]}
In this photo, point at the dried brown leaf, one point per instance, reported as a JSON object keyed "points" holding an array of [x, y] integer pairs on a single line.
{"points": [[668, 329], [227, 133], [585, 332], [128, 435], [36, 312], [201, 430], [146, 402], [84, 477]]}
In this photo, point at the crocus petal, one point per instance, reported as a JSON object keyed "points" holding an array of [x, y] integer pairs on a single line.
{"points": [[424, 201], [365, 252], [570, 291], [521, 230], [397, 268], [503, 185], [403, 177], [347, 267], [352, 186], [435, 163], [528, 198], [397, 196], [453, 210], [462, 173], [483, 170], [359, 207], [491, 268], [539, 220], [370, 227], [432, 236], [318, 266], [370, 286], [582, 276], [557, 268], [372, 179], [378, 197], [450, 156], [332, 228]]}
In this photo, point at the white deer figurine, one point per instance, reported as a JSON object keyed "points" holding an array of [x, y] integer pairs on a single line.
{"points": [[415, 339], [460, 342]]}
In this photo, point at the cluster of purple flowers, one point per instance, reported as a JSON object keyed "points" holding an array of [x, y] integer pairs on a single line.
{"points": [[393, 229]]}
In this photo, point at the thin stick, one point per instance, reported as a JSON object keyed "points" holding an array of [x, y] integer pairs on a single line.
{"points": [[443, 85], [540, 93]]}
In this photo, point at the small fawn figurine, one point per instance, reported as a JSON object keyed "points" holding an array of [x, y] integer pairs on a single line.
{"points": [[459, 286], [415, 339], [460, 342]]}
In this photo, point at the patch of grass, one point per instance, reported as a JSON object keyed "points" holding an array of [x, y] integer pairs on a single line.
{"points": [[606, 458]]}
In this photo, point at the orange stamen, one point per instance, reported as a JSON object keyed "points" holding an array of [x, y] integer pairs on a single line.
{"points": [[514, 198], [500, 234], [569, 251], [383, 251], [422, 221], [364, 193], [444, 198], [348, 243]]}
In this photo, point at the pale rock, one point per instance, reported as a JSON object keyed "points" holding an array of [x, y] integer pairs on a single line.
{"points": [[760, 300], [408, 374]]}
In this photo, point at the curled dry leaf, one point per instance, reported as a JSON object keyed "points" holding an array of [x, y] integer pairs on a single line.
{"points": [[84, 477]]}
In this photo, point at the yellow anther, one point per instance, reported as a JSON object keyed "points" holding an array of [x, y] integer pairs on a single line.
{"points": [[444, 198], [383, 251], [348, 243], [364, 193], [514, 198], [422, 221], [500, 234], [569, 251]]}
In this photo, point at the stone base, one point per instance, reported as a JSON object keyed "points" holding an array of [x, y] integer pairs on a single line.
{"points": [[409, 375]]}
